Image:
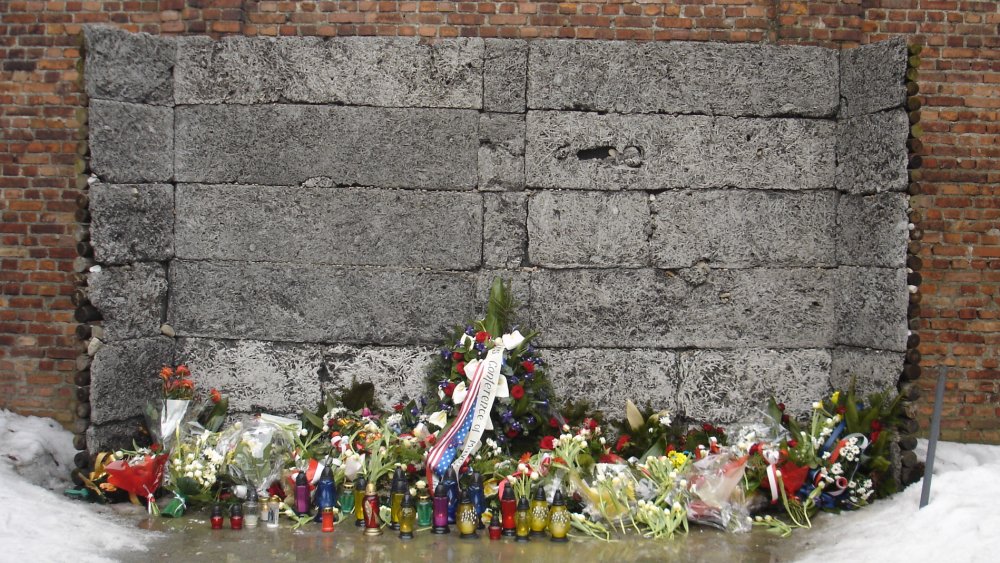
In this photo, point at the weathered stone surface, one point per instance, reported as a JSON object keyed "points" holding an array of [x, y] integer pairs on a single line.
{"points": [[872, 230], [396, 372], [125, 375], [132, 222], [377, 71], [114, 436], [608, 377], [683, 77], [715, 308], [591, 151], [873, 370], [315, 303], [734, 385], [505, 236], [501, 152], [350, 226], [872, 77], [131, 142], [871, 308], [579, 229], [505, 75], [256, 376], [132, 299], [871, 153], [129, 67], [283, 144], [744, 228]]}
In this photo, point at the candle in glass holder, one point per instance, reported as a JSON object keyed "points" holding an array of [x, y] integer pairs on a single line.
{"points": [[236, 516], [465, 517], [273, 512], [478, 497], [440, 510], [539, 512], [359, 501], [495, 531], [216, 517], [327, 519], [301, 494], [508, 507], [398, 489], [407, 516], [522, 521], [251, 509], [559, 518], [425, 508], [370, 505], [450, 482], [346, 499]]}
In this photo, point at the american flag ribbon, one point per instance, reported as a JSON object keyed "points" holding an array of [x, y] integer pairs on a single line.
{"points": [[482, 391]]}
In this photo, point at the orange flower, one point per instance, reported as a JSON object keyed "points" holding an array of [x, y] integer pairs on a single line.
{"points": [[166, 373], [183, 371], [216, 396]]}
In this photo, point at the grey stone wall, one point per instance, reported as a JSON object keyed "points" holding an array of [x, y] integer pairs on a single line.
{"points": [[694, 224]]}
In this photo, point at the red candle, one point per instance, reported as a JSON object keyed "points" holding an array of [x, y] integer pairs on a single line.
{"points": [[216, 517], [508, 507], [327, 520]]}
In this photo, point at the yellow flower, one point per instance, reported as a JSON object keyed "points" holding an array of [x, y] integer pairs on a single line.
{"points": [[835, 397], [678, 459]]}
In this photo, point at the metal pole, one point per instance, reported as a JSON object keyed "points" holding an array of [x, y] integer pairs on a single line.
{"points": [[925, 493]]}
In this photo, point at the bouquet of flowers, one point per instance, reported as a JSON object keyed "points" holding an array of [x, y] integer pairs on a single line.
{"points": [[256, 454], [523, 405]]}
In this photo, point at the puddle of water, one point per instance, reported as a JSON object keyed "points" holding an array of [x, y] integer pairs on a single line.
{"points": [[191, 539]]}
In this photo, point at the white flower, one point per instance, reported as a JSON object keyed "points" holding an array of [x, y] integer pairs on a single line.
{"points": [[565, 427], [665, 420], [534, 475], [512, 340], [602, 440], [303, 432], [326, 428], [461, 390], [439, 419], [498, 342], [817, 405], [467, 342]]}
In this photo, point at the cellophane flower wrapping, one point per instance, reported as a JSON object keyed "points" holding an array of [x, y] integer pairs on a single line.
{"points": [[139, 475], [256, 453], [717, 499]]}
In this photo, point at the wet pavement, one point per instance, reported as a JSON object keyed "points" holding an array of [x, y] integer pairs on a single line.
{"points": [[191, 539]]}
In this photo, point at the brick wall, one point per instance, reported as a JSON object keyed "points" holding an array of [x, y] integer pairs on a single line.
{"points": [[956, 213]]}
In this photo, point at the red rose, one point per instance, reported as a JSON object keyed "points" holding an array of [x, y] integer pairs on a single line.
{"points": [[528, 365], [876, 425], [841, 409], [216, 396], [449, 389], [517, 391], [457, 356], [481, 336], [460, 368], [793, 443], [155, 448], [553, 422], [781, 407], [590, 423], [512, 433], [547, 443], [706, 427], [623, 441], [398, 407], [410, 468]]}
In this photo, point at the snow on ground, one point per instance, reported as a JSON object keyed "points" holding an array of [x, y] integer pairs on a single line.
{"points": [[37, 522], [959, 524]]}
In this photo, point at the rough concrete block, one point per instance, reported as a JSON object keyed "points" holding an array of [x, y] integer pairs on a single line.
{"points": [[131, 142], [257, 376], [735, 385], [377, 71], [282, 144], [349, 226], [114, 436], [505, 75], [683, 77], [501, 152], [608, 377], [873, 230], [125, 375], [744, 228], [132, 299], [697, 307], [874, 370], [129, 67], [315, 303], [397, 372], [872, 77], [574, 150], [580, 229], [132, 222], [871, 308], [505, 236], [871, 153]]}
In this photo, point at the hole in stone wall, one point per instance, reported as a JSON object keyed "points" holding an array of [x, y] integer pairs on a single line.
{"points": [[596, 153]]}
